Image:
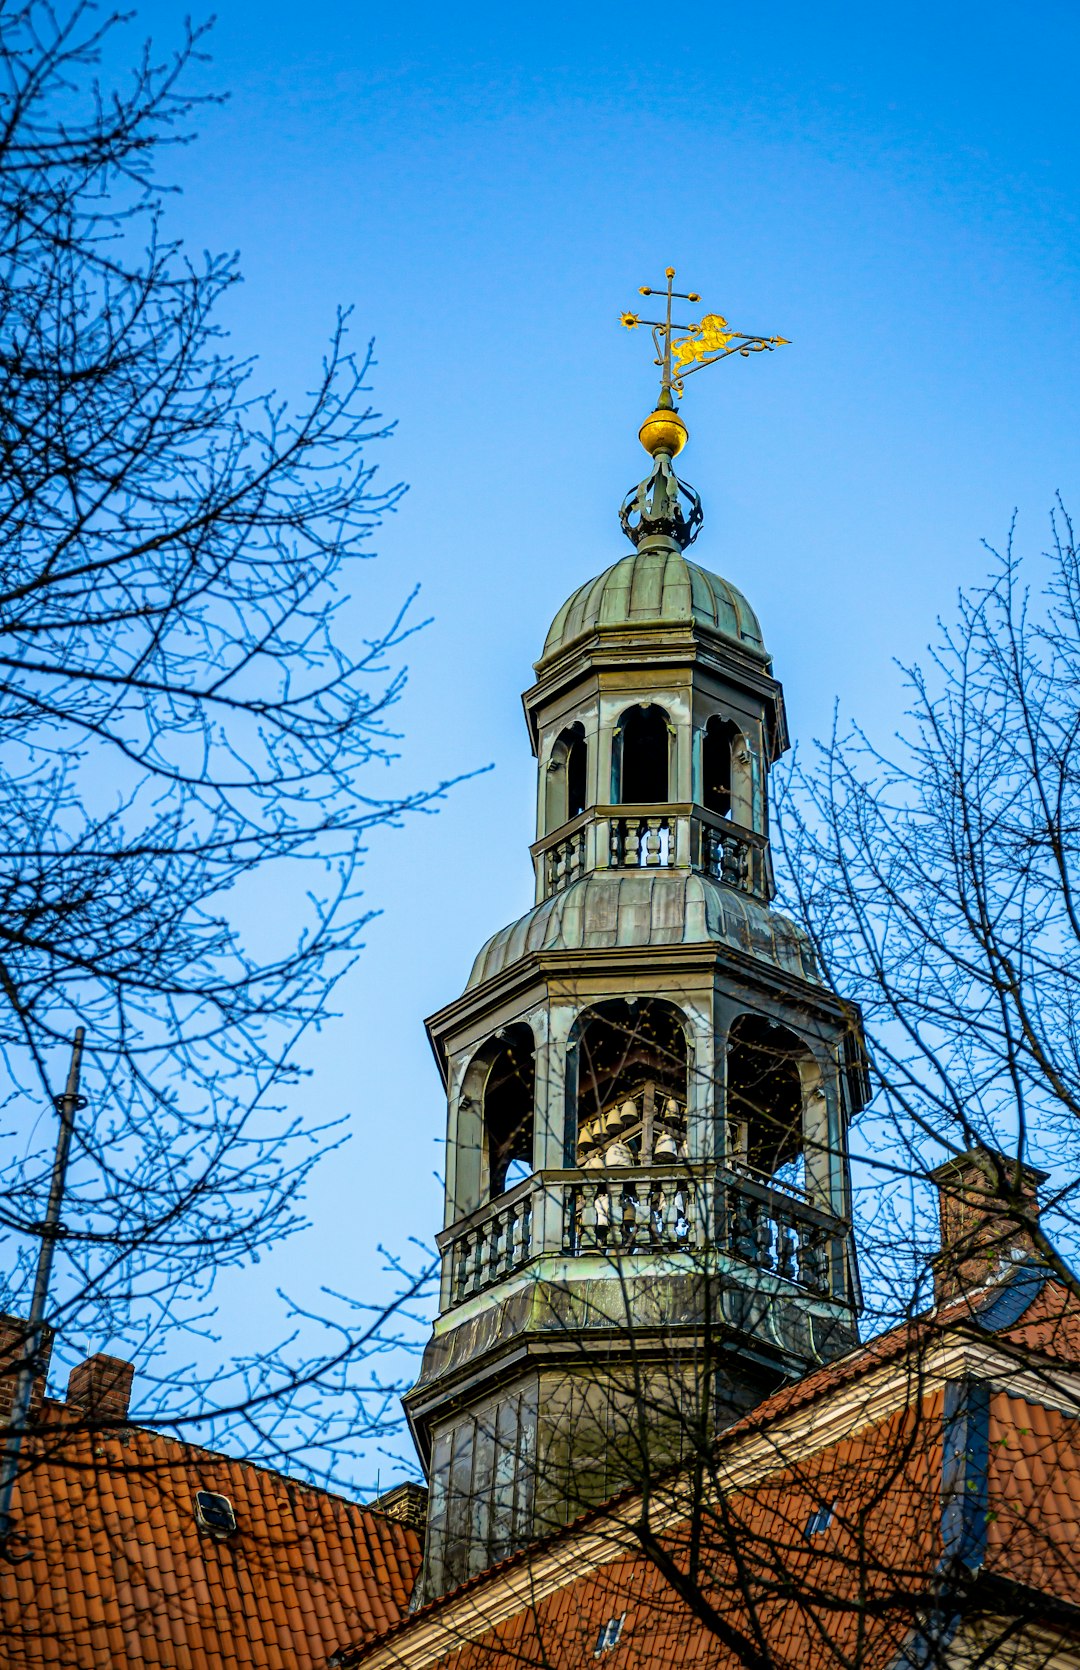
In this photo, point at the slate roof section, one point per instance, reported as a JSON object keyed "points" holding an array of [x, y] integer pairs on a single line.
{"points": [[607, 909], [109, 1568], [651, 586]]}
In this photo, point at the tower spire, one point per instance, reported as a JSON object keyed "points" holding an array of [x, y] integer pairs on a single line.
{"points": [[648, 1083], [652, 512]]}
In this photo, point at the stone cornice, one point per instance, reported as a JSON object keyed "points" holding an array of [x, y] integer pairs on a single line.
{"points": [[619, 961]]}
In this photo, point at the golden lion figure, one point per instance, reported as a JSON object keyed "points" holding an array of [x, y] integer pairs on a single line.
{"points": [[712, 336]]}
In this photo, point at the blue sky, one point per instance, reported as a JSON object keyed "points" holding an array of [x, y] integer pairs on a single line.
{"points": [[894, 189]]}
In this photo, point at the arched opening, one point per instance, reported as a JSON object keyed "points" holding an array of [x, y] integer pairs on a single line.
{"points": [[628, 1104], [507, 1099], [567, 778], [576, 771], [716, 746], [771, 1074], [641, 757], [726, 786]]}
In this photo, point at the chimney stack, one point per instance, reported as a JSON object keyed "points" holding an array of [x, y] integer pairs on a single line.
{"points": [[14, 1344], [406, 1502], [989, 1206], [101, 1387]]}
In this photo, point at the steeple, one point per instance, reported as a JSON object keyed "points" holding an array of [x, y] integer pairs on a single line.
{"points": [[647, 1199]]}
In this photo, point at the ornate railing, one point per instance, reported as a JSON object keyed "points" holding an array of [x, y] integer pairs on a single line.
{"points": [[629, 1211], [677, 836], [643, 843], [735, 856], [493, 1242], [564, 861], [776, 1231], [623, 1210]]}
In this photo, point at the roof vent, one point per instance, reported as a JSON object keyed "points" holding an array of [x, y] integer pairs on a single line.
{"points": [[214, 1514]]}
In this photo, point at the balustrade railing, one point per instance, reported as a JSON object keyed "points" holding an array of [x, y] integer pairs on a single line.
{"points": [[737, 857], [643, 843], [646, 838], [487, 1250], [776, 1232], [647, 1209], [565, 861], [629, 1212]]}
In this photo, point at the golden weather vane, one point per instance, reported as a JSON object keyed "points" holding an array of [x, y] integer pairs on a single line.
{"points": [[654, 512], [711, 339]]}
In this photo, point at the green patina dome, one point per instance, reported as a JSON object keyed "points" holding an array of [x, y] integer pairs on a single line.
{"points": [[643, 908], [658, 584]]}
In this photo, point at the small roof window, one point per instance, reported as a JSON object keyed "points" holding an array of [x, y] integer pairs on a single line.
{"points": [[609, 1635], [214, 1513], [820, 1519]]}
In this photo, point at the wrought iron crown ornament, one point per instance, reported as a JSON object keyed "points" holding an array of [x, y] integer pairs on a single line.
{"points": [[654, 508]]}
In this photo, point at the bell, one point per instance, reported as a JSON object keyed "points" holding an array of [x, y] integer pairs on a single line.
{"points": [[593, 1161], [628, 1113], [672, 1110], [666, 1149], [618, 1154], [612, 1120]]}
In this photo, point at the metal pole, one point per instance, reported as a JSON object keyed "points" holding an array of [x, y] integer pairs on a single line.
{"points": [[67, 1106]]}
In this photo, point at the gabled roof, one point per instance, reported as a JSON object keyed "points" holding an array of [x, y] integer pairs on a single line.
{"points": [[107, 1565], [918, 1470]]}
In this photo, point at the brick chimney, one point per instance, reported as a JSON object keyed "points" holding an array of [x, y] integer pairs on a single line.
{"points": [[14, 1344], [989, 1206], [406, 1502], [101, 1387]]}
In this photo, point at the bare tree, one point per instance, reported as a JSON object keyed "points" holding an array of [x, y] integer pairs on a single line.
{"points": [[939, 880], [190, 715]]}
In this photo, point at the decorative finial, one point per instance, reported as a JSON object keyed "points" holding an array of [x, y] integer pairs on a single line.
{"points": [[655, 501]]}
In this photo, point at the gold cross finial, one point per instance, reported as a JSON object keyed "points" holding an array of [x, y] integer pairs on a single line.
{"points": [[711, 339]]}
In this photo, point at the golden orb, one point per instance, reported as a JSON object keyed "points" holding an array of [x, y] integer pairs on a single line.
{"points": [[663, 431]]}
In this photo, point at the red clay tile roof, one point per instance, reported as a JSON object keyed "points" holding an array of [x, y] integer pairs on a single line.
{"points": [[108, 1565], [847, 1595], [1033, 1534], [851, 1594], [883, 1545]]}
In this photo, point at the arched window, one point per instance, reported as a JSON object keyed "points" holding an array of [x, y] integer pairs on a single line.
{"points": [[508, 1095], [726, 786], [716, 766], [577, 759], [641, 757], [771, 1073], [627, 1098], [567, 778]]}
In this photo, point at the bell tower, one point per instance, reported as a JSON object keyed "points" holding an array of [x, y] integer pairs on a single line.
{"points": [[647, 1200]]}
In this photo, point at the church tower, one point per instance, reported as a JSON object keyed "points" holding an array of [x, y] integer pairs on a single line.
{"points": [[647, 1224]]}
